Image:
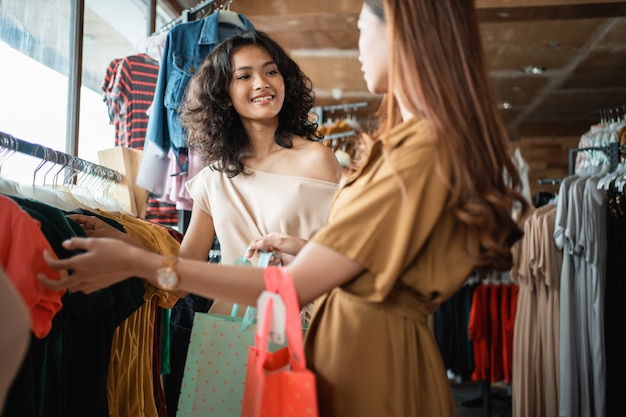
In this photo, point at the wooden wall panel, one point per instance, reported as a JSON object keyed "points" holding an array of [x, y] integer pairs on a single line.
{"points": [[547, 157]]}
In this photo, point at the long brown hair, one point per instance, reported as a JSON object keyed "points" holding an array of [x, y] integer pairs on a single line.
{"points": [[438, 71]]}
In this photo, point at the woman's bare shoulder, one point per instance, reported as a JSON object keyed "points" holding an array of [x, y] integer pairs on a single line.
{"points": [[316, 160]]}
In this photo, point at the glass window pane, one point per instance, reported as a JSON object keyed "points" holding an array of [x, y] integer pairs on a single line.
{"points": [[34, 50], [113, 29], [35, 39]]}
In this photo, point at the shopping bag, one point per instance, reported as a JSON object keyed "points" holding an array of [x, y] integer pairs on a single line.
{"points": [[214, 372], [278, 384], [215, 366]]}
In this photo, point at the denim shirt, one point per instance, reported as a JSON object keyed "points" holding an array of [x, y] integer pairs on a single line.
{"points": [[186, 47]]}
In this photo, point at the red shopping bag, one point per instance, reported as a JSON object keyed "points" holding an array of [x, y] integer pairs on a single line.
{"points": [[278, 383]]}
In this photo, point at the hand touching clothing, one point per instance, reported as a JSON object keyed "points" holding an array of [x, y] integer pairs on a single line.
{"points": [[95, 227], [89, 272]]}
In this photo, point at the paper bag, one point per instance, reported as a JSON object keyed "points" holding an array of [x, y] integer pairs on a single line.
{"points": [[127, 193]]}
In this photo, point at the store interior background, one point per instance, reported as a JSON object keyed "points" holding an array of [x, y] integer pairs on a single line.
{"points": [[580, 44]]}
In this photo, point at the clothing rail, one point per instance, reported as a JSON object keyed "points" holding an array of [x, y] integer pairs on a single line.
{"points": [[338, 135], [552, 181], [617, 110], [610, 115], [346, 106], [188, 14], [612, 151], [13, 144]]}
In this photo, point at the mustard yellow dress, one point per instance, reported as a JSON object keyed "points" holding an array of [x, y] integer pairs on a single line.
{"points": [[369, 342], [130, 388]]}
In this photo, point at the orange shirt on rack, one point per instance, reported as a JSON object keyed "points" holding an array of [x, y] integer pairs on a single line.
{"points": [[21, 255]]}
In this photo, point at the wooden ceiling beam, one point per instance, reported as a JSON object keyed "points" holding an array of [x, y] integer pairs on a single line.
{"points": [[551, 12], [495, 4], [296, 17]]}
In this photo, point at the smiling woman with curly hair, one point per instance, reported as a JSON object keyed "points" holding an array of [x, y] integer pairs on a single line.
{"points": [[214, 127], [246, 115]]}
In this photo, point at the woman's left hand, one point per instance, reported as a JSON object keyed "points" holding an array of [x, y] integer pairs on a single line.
{"points": [[95, 227], [105, 262]]}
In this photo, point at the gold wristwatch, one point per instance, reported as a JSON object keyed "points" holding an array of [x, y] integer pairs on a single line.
{"points": [[166, 275]]}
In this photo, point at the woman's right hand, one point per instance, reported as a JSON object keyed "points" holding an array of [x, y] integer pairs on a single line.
{"points": [[287, 247]]}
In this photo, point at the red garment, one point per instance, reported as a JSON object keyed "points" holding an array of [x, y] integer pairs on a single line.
{"points": [[21, 255], [505, 309], [495, 335], [508, 330], [175, 234], [478, 332]]}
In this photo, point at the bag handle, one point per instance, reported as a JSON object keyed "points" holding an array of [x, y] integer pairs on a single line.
{"points": [[278, 280], [265, 258]]}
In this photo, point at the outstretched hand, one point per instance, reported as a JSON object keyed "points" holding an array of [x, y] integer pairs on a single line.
{"points": [[287, 247], [105, 262], [96, 227]]}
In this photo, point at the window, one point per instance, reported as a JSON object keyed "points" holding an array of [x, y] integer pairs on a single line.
{"points": [[35, 52]]}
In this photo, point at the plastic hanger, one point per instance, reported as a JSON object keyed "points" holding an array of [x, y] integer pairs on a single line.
{"points": [[8, 147], [41, 192], [62, 190], [94, 186], [605, 181], [225, 15]]}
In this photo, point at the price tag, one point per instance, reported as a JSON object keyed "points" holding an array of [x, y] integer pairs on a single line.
{"points": [[279, 316]]}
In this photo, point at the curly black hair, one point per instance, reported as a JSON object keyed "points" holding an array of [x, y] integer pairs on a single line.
{"points": [[214, 129]]}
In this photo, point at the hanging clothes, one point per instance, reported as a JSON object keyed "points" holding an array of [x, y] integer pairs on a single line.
{"points": [[64, 374], [186, 47], [581, 232], [536, 269], [451, 322], [67, 373], [132, 388], [490, 329], [614, 306], [342, 135], [128, 91], [21, 247]]}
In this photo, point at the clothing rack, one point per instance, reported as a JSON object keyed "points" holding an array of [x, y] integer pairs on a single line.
{"points": [[189, 14], [339, 135], [320, 110], [608, 114], [612, 151], [551, 181], [47, 154], [347, 106]]}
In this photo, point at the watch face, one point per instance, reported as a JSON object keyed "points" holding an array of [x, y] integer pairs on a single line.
{"points": [[167, 278]]}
